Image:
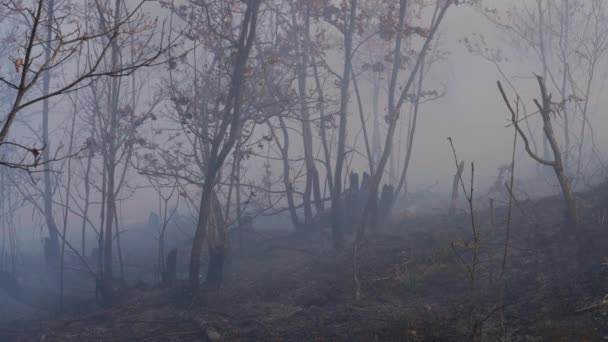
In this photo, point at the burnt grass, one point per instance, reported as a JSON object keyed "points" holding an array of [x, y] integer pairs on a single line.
{"points": [[415, 282]]}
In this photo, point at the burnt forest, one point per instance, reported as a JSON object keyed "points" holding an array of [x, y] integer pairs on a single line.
{"points": [[303, 170]]}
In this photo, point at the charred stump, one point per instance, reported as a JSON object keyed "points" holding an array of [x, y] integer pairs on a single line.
{"points": [[170, 271], [387, 198], [215, 270]]}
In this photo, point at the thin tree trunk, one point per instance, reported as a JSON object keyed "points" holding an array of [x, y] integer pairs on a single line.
{"points": [[584, 114], [231, 116], [87, 194], [392, 87], [306, 132], [322, 130], [119, 247], [109, 223], [217, 249], [53, 242], [376, 129], [370, 159], [336, 203], [238, 195], [410, 135], [284, 148], [457, 177], [558, 166], [201, 232], [110, 162], [541, 33], [99, 288], [564, 36], [67, 205], [546, 110]]}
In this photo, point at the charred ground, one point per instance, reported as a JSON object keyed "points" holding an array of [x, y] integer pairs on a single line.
{"points": [[415, 286]]}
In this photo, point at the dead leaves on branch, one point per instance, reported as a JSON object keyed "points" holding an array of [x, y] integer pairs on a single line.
{"points": [[18, 63]]}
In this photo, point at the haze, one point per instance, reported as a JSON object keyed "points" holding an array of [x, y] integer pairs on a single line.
{"points": [[306, 165]]}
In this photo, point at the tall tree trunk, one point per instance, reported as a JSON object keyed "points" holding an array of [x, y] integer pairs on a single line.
{"points": [[110, 162], [368, 150], [238, 195], [99, 285], [456, 179], [312, 177], [67, 205], [109, 224], [543, 54], [52, 253], [392, 87], [585, 117], [564, 36], [546, 109], [231, 116], [215, 270], [376, 152], [410, 136], [201, 232], [557, 164], [307, 140], [336, 203], [87, 196], [284, 148], [217, 247], [322, 130], [121, 264]]}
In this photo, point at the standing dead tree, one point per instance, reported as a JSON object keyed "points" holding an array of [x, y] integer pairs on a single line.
{"points": [[472, 266], [454, 199], [165, 216], [546, 109], [568, 40]]}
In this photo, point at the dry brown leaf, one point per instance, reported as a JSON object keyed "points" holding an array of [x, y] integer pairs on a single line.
{"points": [[18, 63]]}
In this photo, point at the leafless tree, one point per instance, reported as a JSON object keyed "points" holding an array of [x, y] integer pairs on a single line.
{"points": [[547, 109]]}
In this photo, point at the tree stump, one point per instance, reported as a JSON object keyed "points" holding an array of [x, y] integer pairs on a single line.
{"points": [[170, 272]]}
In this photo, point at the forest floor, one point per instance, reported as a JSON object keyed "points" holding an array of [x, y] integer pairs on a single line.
{"points": [[415, 286]]}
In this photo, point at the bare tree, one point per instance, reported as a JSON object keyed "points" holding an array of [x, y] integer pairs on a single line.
{"points": [[546, 109], [567, 39]]}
